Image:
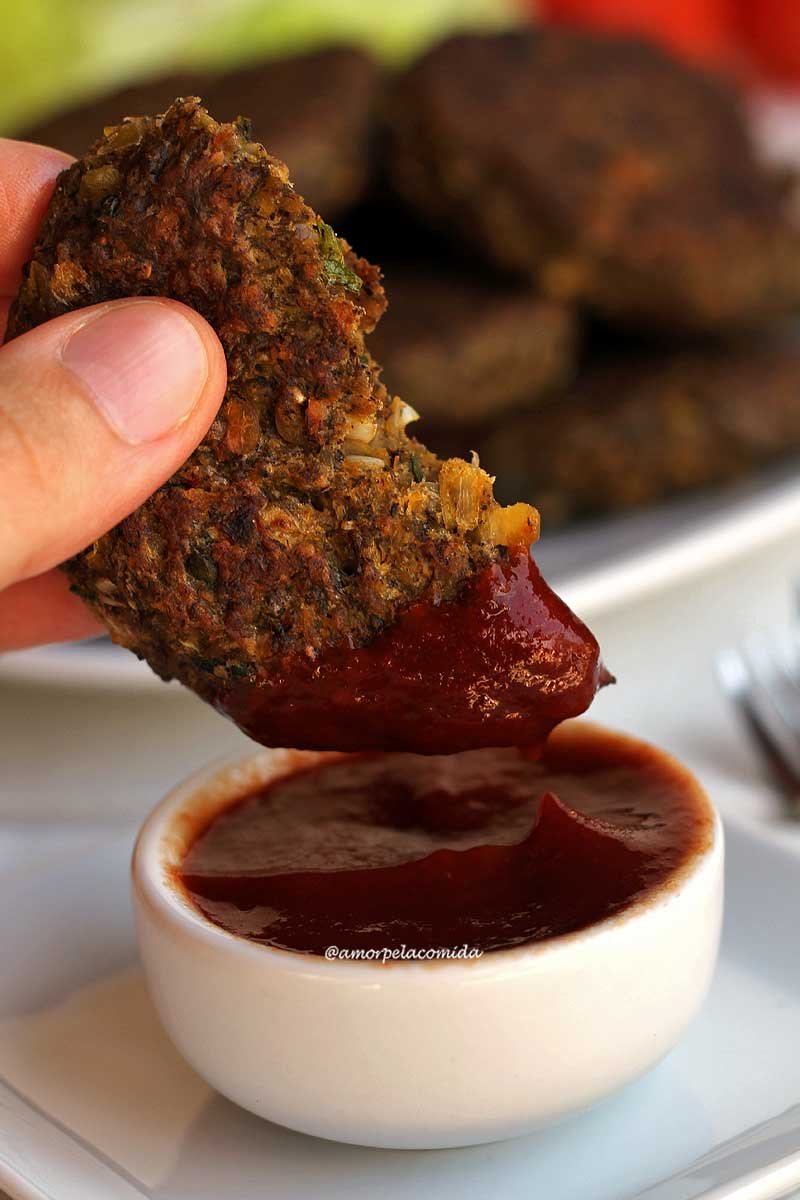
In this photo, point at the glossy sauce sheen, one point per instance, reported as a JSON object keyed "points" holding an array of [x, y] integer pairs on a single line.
{"points": [[501, 665], [491, 848]]}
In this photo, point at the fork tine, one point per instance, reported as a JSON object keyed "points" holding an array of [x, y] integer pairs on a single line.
{"points": [[776, 698], [737, 680], [793, 654], [769, 659]]}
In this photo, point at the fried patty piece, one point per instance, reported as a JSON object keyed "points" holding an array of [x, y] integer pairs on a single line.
{"points": [[314, 111], [459, 348], [306, 519], [603, 169], [635, 431]]}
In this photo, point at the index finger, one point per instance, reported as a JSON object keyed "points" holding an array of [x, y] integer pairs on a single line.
{"points": [[27, 176]]}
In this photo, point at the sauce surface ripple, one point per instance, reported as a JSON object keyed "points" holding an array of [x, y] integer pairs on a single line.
{"points": [[492, 848]]}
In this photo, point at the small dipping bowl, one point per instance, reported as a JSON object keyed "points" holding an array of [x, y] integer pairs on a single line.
{"points": [[417, 1054]]}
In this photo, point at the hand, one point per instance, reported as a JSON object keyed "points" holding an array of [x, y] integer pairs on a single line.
{"points": [[97, 409]]}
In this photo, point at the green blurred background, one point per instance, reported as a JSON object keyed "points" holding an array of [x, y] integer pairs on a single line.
{"points": [[53, 52]]}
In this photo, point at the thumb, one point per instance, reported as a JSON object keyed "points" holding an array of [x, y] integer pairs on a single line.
{"points": [[97, 409]]}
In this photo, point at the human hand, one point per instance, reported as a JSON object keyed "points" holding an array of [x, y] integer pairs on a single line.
{"points": [[97, 408]]}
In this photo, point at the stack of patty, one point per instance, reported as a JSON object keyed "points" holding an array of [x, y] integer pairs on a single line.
{"points": [[519, 187]]}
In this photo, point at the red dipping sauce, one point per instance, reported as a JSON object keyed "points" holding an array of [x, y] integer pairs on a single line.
{"points": [[501, 665], [490, 848]]}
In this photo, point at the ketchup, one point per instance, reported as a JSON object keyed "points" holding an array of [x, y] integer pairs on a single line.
{"points": [[490, 848], [500, 665]]}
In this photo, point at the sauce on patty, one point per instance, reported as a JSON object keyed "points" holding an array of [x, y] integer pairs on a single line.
{"points": [[500, 665]]}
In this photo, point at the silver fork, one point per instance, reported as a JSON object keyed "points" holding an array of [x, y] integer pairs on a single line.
{"points": [[762, 679]]}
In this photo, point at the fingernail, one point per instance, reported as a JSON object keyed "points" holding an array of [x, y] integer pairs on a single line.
{"points": [[144, 364]]}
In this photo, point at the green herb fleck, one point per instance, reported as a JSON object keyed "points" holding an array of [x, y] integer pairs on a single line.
{"points": [[334, 268], [340, 274], [416, 469]]}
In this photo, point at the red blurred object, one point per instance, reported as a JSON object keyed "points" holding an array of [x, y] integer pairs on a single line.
{"points": [[771, 31], [700, 29]]}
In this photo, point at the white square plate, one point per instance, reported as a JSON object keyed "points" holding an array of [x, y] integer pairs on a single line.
{"points": [[96, 1105]]}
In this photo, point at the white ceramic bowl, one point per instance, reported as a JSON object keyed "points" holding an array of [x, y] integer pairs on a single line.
{"points": [[413, 1054]]}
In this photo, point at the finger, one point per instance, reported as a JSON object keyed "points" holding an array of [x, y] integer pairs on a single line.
{"points": [[43, 610], [97, 409], [27, 176]]}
